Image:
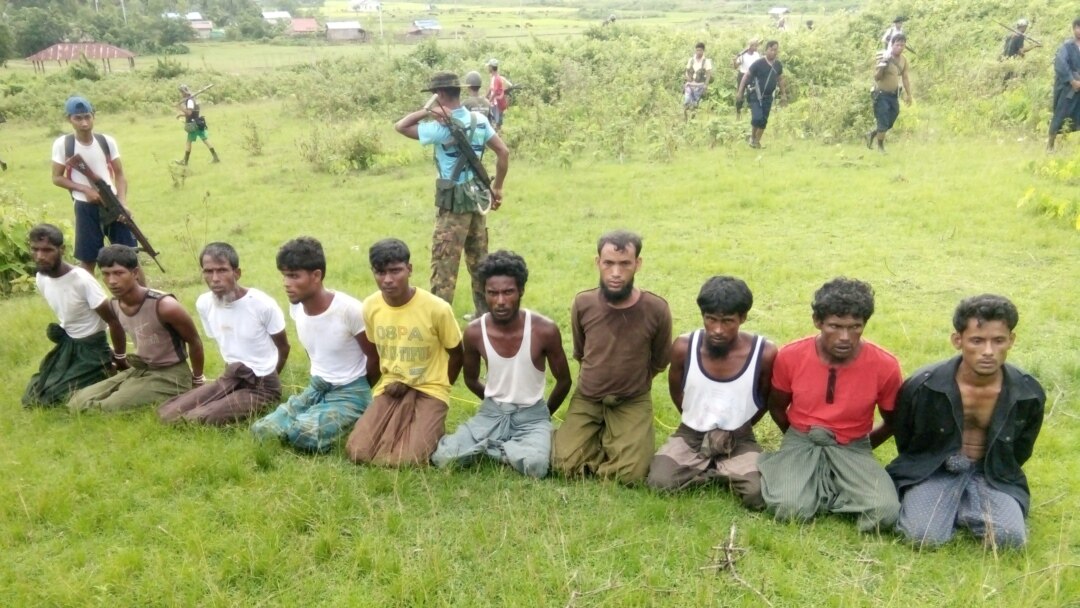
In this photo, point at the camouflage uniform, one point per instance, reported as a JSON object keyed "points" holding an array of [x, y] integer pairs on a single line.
{"points": [[454, 232]]}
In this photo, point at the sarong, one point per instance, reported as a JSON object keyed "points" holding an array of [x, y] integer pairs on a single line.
{"points": [[236, 395], [516, 435], [134, 387], [812, 474], [71, 364], [313, 420], [691, 458], [609, 437], [397, 432], [958, 496]]}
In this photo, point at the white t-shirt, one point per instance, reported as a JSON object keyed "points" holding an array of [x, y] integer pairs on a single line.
{"points": [[330, 339], [94, 157], [748, 60], [73, 297], [243, 328]]}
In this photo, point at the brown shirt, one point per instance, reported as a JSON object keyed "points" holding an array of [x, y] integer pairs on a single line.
{"points": [[156, 344], [620, 349]]}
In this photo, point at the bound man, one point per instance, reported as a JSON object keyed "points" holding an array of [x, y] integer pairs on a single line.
{"points": [[102, 156], [762, 79], [249, 327], [742, 62], [891, 72], [194, 124], [498, 89], [698, 73], [964, 429], [719, 381], [460, 223], [475, 102], [513, 424], [81, 356], [164, 335], [419, 358], [330, 325], [824, 390], [622, 337], [1066, 85]]}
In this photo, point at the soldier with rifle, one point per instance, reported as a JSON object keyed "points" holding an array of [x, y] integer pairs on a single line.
{"points": [[1066, 84], [463, 191], [742, 63], [1014, 42], [102, 156], [194, 122]]}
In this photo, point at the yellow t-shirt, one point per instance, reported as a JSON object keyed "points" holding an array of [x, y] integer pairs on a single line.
{"points": [[412, 341]]}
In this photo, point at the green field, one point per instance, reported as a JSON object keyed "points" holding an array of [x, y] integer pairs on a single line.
{"points": [[120, 510]]}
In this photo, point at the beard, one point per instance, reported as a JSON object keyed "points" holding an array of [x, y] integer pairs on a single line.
{"points": [[718, 351], [619, 295]]}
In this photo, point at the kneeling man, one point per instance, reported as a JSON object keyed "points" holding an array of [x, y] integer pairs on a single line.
{"points": [[964, 428], [514, 422], [419, 358], [164, 335], [250, 331], [824, 391], [719, 380], [330, 325]]}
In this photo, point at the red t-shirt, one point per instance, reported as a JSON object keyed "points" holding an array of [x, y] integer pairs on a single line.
{"points": [[872, 378], [498, 89]]}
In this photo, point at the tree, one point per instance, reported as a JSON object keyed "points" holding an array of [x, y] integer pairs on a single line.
{"points": [[37, 29], [7, 44]]}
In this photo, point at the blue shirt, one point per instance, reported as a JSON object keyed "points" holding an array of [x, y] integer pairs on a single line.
{"points": [[446, 153]]}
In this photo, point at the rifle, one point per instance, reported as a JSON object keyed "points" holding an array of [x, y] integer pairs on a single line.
{"points": [[112, 209], [1019, 33], [461, 140]]}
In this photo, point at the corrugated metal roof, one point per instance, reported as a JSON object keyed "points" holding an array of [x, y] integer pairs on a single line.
{"points": [[344, 25], [426, 24], [66, 51]]}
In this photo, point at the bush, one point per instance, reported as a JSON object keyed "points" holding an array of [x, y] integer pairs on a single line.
{"points": [[16, 263], [84, 69], [166, 68], [336, 151]]}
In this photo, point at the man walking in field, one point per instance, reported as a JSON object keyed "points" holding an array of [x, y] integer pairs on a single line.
{"points": [[719, 381], [698, 73], [462, 202], [81, 356], [102, 156], [164, 335], [194, 124], [249, 327], [622, 337], [891, 72], [476, 102], [762, 80], [1066, 87], [330, 325], [964, 429], [418, 357], [498, 89], [514, 422], [742, 63], [1014, 42], [824, 389]]}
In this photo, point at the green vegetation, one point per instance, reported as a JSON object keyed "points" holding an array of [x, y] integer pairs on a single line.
{"points": [[125, 512]]}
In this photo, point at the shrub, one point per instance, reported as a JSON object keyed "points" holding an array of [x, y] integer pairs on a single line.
{"points": [[166, 68], [84, 69], [16, 263]]}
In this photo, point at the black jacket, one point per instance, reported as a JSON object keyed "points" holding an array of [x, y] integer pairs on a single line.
{"points": [[929, 426]]}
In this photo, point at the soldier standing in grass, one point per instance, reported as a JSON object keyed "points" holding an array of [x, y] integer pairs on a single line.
{"points": [[194, 124], [622, 337], [1014, 42], [476, 102], [890, 75], [330, 325], [824, 389], [514, 422], [164, 335], [81, 356], [762, 80], [719, 381], [498, 89], [1066, 86], [103, 157], [460, 222], [249, 327], [964, 428], [742, 63]]}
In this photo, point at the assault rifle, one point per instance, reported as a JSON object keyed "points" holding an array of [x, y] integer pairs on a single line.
{"points": [[112, 209], [1019, 33], [461, 140]]}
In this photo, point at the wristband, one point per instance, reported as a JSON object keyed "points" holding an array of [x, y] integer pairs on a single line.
{"points": [[119, 356], [199, 378]]}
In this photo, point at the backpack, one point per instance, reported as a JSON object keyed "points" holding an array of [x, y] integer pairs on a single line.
{"points": [[69, 151]]}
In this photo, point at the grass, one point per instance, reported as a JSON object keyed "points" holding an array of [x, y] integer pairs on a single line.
{"points": [[120, 510]]}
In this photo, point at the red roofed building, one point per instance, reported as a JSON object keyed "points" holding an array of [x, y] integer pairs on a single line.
{"points": [[67, 51], [303, 26]]}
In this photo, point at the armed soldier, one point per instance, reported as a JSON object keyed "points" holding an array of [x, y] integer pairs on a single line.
{"points": [[194, 124], [1015, 41], [461, 195], [1066, 84], [476, 102]]}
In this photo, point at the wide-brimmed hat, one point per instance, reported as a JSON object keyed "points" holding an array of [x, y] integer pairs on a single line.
{"points": [[1022, 23], [77, 105], [443, 80]]}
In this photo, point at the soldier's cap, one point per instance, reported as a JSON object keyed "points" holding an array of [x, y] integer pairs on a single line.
{"points": [[899, 19], [443, 80], [493, 63], [77, 104], [1022, 23], [472, 79], [184, 89]]}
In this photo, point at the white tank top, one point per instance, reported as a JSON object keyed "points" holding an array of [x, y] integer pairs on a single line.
{"points": [[714, 403], [515, 380]]}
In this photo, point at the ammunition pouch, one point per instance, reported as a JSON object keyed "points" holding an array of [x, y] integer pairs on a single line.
{"points": [[190, 127], [468, 197]]}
